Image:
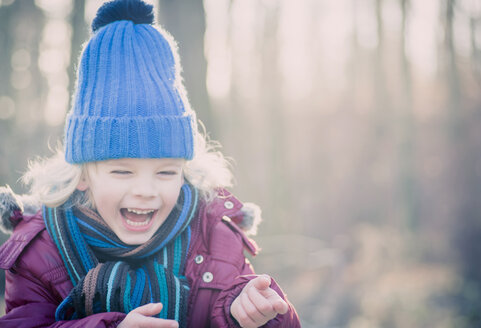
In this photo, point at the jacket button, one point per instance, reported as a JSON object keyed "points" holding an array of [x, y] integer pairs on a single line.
{"points": [[199, 259], [229, 205], [207, 276]]}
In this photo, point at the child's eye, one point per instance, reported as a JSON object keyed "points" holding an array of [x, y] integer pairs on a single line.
{"points": [[120, 172], [167, 172]]}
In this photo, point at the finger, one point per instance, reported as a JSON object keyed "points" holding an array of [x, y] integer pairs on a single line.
{"points": [[150, 322], [270, 293], [240, 314], [250, 308], [149, 309], [276, 300], [280, 306], [262, 282], [263, 305]]}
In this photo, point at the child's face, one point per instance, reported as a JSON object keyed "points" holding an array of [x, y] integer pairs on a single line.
{"points": [[134, 196]]}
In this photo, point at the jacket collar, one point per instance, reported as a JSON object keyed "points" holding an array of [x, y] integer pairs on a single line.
{"points": [[228, 209]]}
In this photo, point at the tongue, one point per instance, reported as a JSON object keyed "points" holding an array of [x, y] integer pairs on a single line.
{"points": [[135, 217]]}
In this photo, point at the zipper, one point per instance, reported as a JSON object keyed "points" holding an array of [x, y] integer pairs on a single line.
{"points": [[195, 236]]}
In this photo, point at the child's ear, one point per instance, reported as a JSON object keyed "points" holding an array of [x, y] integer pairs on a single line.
{"points": [[83, 184]]}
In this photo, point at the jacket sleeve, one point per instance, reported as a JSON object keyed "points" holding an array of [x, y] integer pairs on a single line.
{"points": [[221, 316], [30, 303]]}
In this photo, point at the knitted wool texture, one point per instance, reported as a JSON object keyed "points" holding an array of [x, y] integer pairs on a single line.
{"points": [[109, 275], [129, 99]]}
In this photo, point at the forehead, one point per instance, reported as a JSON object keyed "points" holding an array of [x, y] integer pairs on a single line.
{"points": [[139, 162]]}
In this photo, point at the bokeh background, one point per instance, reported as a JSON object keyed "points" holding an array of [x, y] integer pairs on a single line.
{"points": [[355, 124]]}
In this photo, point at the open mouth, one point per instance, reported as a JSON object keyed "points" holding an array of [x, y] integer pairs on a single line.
{"points": [[137, 219]]}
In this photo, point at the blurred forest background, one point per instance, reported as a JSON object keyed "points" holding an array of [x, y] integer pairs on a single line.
{"points": [[355, 124]]}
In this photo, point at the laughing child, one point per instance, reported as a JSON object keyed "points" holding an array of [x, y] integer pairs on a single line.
{"points": [[136, 228]]}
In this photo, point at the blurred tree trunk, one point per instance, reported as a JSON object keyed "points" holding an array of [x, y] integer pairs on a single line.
{"points": [[475, 51], [406, 176], [185, 20], [453, 80], [6, 43], [22, 23], [465, 184], [276, 129], [79, 36], [379, 129], [6, 126], [381, 113]]}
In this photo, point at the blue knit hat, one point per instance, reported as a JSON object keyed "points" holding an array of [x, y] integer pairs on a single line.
{"points": [[129, 99]]}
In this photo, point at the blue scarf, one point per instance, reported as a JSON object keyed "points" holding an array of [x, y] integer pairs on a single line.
{"points": [[109, 275]]}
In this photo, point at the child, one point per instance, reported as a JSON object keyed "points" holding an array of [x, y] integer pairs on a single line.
{"points": [[136, 229]]}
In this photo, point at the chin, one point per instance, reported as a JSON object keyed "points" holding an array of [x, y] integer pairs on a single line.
{"points": [[135, 240]]}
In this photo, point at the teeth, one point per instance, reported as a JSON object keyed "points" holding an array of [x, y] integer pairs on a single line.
{"points": [[139, 211], [137, 224]]}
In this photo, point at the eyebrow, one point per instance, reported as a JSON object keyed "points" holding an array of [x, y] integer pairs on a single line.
{"points": [[168, 162], [173, 162], [116, 163]]}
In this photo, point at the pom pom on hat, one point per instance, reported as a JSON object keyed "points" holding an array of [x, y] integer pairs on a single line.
{"points": [[129, 99], [136, 11]]}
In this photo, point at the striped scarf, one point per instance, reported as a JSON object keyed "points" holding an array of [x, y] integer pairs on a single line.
{"points": [[109, 275]]}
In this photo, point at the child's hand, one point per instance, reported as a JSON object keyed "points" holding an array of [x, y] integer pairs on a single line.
{"points": [[257, 303], [141, 317]]}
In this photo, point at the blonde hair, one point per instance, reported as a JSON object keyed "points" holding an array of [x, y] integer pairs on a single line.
{"points": [[53, 181]]}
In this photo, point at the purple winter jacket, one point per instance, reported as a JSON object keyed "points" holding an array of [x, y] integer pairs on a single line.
{"points": [[37, 280]]}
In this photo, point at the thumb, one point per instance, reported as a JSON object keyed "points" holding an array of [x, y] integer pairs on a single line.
{"points": [[149, 309], [262, 282]]}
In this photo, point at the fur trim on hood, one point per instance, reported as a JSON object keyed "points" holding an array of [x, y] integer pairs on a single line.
{"points": [[251, 218], [13, 207]]}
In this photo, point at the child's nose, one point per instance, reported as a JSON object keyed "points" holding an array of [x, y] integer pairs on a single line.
{"points": [[144, 188]]}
